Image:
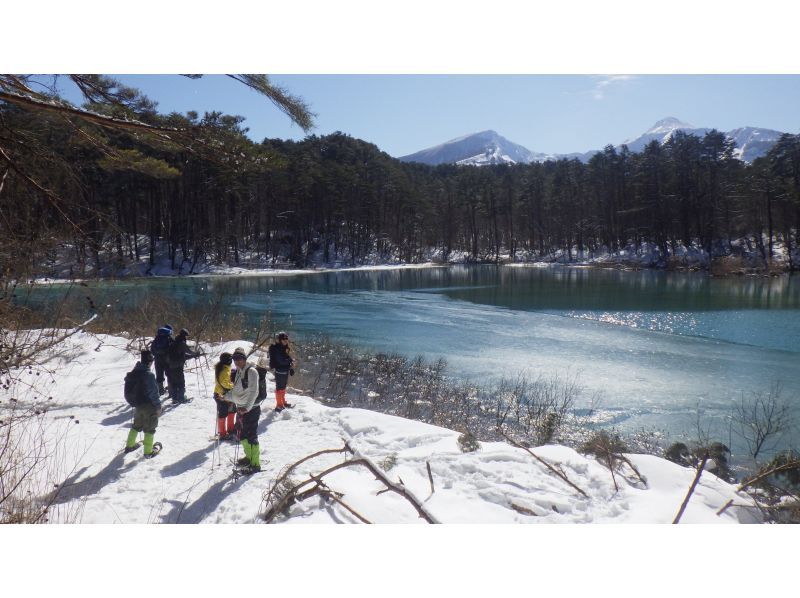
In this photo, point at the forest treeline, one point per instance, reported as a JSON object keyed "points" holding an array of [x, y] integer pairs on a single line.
{"points": [[216, 197]]}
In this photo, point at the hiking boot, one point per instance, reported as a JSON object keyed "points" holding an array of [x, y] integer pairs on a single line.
{"points": [[243, 461], [278, 409], [288, 405], [130, 449]]}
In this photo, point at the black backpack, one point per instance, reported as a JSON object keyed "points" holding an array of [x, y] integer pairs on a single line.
{"points": [[134, 387], [262, 384], [160, 345]]}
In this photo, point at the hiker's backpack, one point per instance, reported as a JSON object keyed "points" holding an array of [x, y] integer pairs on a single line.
{"points": [[262, 384], [161, 343], [134, 387]]}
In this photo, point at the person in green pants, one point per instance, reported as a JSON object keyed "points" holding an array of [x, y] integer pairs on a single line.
{"points": [[141, 392], [244, 395]]}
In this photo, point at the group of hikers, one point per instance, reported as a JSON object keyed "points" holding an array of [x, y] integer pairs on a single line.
{"points": [[239, 389]]}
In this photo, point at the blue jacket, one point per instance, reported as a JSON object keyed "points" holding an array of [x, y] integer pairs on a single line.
{"points": [[148, 385]]}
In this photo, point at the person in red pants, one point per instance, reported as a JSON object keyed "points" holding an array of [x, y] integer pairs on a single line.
{"points": [[223, 384], [281, 362]]}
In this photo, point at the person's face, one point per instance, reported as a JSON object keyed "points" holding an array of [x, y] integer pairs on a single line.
{"points": [[239, 360]]}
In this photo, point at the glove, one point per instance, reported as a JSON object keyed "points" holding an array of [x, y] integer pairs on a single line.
{"points": [[291, 371]]}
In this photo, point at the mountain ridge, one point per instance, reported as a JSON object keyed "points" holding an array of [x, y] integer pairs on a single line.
{"points": [[489, 147]]}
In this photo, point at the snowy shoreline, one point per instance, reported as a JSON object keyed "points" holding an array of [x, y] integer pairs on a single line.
{"points": [[740, 257], [229, 271], [191, 480]]}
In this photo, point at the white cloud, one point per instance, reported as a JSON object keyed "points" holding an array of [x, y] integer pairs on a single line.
{"points": [[604, 81]]}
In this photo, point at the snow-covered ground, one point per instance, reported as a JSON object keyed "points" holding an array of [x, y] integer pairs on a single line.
{"points": [[191, 481]]}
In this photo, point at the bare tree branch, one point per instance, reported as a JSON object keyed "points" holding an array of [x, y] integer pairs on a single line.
{"points": [[293, 494], [699, 473], [546, 464]]}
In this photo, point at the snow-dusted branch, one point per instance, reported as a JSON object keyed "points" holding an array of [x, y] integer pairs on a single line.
{"points": [[560, 474], [699, 473], [293, 494]]}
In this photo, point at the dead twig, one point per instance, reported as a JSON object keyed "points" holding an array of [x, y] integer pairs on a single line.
{"points": [[642, 479], [699, 473], [725, 507], [430, 476], [546, 464], [293, 494], [336, 497], [765, 474], [523, 510]]}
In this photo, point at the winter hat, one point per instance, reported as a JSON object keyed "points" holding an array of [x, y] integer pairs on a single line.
{"points": [[183, 332], [147, 357], [226, 359], [168, 327], [282, 335], [263, 361], [239, 351]]}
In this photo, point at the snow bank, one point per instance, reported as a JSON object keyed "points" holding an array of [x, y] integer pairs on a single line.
{"points": [[191, 480]]}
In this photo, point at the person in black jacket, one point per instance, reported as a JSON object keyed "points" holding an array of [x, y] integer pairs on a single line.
{"points": [[147, 406], [281, 362], [159, 346], [178, 353]]}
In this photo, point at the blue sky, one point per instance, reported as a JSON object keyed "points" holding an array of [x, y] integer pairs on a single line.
{"points": [[548, 113]]}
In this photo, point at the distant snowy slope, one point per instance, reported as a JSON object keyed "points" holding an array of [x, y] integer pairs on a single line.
{"points": [[752, 142], [191, 480], [662, 131], [486, 147]]}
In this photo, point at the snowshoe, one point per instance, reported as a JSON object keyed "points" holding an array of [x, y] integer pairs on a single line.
{"points": [[130, 449], [243, 462], [278, 409], [156, 449], [288, 405], [182, 401], [246, 470]]}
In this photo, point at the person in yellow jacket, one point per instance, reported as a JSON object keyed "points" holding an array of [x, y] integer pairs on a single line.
{"points": [[223, 385]]}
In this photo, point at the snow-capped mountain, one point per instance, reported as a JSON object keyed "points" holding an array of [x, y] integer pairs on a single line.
{"points": [[662, 131], [488, 147], [751, 142], [480, 149]]}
